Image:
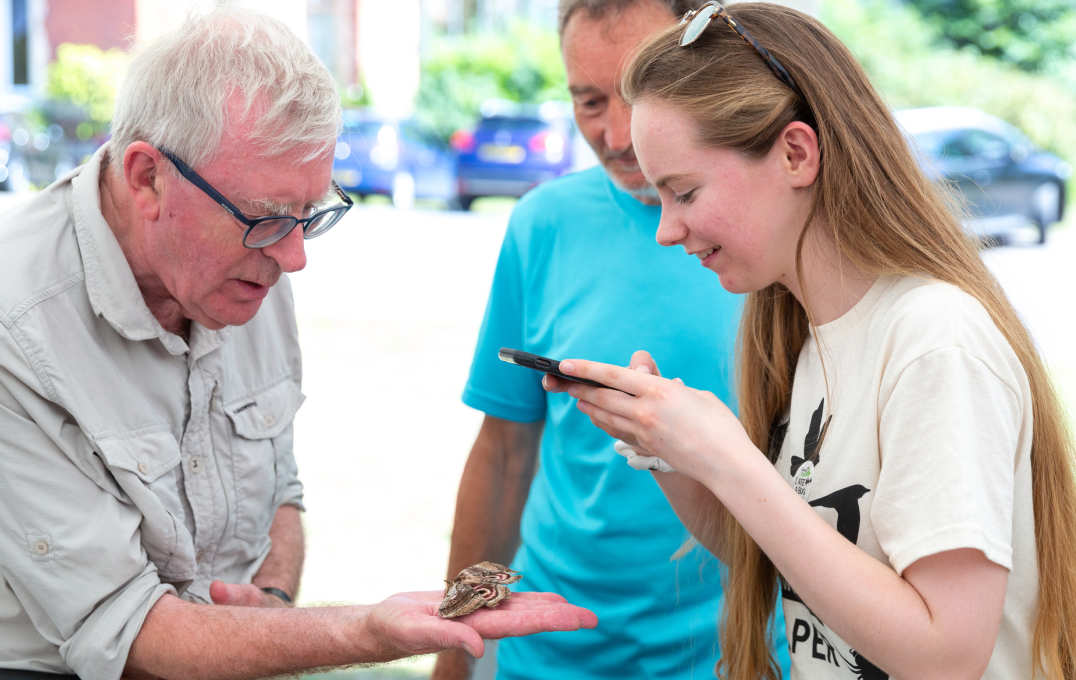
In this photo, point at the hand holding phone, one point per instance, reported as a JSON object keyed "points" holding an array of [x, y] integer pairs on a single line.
{"points": [[543, 364]]}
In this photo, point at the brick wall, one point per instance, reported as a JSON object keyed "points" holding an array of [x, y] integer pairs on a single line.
{"points": [[105, 23]]}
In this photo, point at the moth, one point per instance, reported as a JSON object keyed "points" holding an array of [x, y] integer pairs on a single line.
{"points": [[480, 585]]}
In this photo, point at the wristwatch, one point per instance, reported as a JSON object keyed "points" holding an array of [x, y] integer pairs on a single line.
{"points": [[277, 592]]}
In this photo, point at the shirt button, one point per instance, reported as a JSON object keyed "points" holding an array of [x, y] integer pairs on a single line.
{"points": [[269, 420], [196, 464], [40, 547], [143, 468]]}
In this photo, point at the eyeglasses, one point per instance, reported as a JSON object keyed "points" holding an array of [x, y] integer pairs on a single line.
{"points": [[265, 231], [697, 20]]}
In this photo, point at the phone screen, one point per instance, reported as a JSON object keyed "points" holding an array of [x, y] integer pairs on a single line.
{"points": [[540, 363]]}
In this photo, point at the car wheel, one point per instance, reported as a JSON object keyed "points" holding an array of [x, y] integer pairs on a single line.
{"points": [[403, 190], [464, 202], [1046, 206]]}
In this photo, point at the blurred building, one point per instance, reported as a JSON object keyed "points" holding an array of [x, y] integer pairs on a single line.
{"points": [[378, 43], [459, 16], [30, 31]]}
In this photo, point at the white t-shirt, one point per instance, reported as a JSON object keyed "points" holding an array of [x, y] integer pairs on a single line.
{"points": [[927, 418]]}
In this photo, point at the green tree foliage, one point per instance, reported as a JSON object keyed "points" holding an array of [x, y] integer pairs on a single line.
{"points": [[356, 96], [900, 52], [83, 80], [461, 72], [1033, 35]]}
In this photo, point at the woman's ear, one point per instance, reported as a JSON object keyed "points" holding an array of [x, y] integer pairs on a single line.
{"points": [[799, 153], [141, 165]]}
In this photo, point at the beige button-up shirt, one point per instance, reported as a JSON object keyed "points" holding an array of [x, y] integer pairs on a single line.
{"points": [[132, 462]]}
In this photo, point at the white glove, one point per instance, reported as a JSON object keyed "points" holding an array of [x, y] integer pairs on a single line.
{"points": [[641, 462]]}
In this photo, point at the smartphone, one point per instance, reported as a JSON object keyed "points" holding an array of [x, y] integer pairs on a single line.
{"points": [[543, 364]]}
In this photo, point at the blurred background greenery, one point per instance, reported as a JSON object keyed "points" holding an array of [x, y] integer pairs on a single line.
{"points": [[1015, 59], [923, 53]]}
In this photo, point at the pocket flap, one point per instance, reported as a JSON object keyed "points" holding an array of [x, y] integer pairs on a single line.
{"points": [[147, 455], [266, 413]]}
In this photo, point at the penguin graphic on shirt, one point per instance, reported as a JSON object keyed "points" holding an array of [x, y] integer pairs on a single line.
{"points": [[844, 502]]}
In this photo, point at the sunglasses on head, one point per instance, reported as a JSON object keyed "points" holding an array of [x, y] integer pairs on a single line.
{"points": [[695, 22]]}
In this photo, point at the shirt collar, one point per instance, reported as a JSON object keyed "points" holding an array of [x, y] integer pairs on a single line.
{"points": [[110, 283]]}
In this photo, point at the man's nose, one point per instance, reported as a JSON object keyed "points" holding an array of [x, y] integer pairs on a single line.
{"points": [[618, 125], [289, 252]]}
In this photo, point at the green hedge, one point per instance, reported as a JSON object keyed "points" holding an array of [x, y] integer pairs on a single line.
{"points": [[522, 65], [898, 50], [85, 78]]}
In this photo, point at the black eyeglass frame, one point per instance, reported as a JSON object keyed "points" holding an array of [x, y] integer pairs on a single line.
{"points": [[717, 9], [250, 223]]}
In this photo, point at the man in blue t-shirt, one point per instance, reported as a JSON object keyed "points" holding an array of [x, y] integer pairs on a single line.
{"points": [[580, 274]]}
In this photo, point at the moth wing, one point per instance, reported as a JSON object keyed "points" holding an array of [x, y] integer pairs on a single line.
{"points": [[459, 600], [509, 575], [491, 566], [492, 594], [489, 572]]}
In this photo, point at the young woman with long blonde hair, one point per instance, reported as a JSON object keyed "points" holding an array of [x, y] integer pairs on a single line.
{"points": [[900, 469]]}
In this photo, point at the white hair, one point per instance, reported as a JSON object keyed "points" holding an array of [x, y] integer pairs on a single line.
{"points": [[178, 89]]}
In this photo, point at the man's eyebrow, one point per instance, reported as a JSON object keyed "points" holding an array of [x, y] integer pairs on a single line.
{"points": [[266, 206]]}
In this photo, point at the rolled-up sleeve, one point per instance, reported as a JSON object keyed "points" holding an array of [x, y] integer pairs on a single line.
{"points": [[72, 554], [289, 490]]}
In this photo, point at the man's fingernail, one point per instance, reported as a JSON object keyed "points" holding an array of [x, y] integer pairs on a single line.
{"points": [[567, 366]]}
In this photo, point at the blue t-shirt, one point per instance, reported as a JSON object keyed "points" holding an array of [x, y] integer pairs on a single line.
{"points": [[581, 275]]}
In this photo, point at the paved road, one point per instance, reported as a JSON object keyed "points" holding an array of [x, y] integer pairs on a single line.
{"points": [[1041, 283], [389, 308]]}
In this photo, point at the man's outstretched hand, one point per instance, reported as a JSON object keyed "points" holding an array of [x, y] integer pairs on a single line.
{"points": [[243, 618], [407, 623]]}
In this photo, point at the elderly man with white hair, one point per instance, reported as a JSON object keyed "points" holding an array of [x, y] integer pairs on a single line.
{"points": [[150, 374]]}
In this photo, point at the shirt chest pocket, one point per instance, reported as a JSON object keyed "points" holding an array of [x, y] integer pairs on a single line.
{"points": [[145, 466], [260, 439]]}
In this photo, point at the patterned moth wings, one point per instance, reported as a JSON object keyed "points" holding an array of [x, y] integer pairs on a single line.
{"points": [[489, 573], [480, 585], [464, 598]]}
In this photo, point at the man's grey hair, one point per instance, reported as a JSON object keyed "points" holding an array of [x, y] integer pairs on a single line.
{"points": [[177, 91], [596, 9]]}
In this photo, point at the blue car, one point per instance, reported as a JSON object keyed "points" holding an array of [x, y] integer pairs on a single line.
{"points": [[380, 155], [1005, 181], [511, 149]]}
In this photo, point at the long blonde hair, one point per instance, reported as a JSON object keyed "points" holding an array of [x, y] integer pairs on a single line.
{"points": [[886, 218]]}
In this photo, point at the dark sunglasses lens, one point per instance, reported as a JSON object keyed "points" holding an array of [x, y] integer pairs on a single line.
{"points": [[697, 25], [324, 222], [268, 232]]}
